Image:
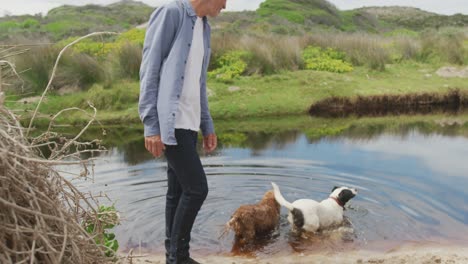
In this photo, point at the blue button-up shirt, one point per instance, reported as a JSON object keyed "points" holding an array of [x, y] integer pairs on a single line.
{"points": [[165, 51]]}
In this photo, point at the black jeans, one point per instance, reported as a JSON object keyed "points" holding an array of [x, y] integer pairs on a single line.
{"points": [[186, 192]]}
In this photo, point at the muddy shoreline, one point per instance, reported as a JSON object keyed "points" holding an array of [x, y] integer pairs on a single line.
{"points": [[451, 102]]}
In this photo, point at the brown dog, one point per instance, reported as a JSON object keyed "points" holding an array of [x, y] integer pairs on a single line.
{"points": [[250, 221]]}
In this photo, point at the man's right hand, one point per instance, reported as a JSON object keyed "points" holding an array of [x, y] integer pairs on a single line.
{"points": [[154, 145]]}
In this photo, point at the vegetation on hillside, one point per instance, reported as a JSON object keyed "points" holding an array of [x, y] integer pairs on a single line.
{"points": [[66, 21], [415, 18], [290, 17], [245, 46]]}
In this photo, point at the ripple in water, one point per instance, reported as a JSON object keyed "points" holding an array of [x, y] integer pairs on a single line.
{"points": [[403, 195]]}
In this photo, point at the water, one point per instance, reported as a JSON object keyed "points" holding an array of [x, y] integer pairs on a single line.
{"points": [[412, 187]]}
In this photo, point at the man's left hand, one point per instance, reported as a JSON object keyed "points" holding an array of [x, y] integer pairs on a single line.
{"points": [[210, 142]]}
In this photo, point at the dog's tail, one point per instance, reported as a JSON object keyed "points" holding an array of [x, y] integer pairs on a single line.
{"points": [[280, 199], [227, 227]]}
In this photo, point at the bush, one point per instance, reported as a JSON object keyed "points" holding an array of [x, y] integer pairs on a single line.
{"points": [[266, 54], [30, 24], [120, 97], [230, 66], [360, 49], [136, 36], [97, 49], [81, 70], [329, 60], [107, 218], [443, 46]]}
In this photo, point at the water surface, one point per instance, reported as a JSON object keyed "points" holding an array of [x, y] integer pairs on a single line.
{"points": [[412, 187]]}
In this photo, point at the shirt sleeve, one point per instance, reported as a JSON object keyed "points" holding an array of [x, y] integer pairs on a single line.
{"points": [[206, 124], [160, 33]]}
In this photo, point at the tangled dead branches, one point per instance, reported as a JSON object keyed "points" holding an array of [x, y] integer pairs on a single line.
{"points": [[42, 214]]}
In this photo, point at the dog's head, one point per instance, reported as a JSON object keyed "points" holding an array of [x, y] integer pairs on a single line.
{"points": [[343, 194]]}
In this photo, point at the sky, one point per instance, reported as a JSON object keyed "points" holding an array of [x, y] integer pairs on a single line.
{"points": [[447, 7]]}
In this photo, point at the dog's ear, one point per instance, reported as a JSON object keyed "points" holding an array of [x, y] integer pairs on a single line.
{"points": [[334, 188]]}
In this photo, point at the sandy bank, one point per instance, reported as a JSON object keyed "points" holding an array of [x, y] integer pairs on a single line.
{"points": [[411, 253]]}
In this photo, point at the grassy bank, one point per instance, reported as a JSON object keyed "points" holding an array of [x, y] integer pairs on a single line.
{"points": [[290, 93]]}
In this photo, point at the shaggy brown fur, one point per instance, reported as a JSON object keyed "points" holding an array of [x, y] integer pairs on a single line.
{"points": [[249, 221]]}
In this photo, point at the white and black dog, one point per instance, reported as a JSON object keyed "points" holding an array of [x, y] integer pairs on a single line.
{"points": [[311, 216]]}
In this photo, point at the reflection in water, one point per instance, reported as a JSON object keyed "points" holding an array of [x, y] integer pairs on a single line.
{"points": [[412, 187]]}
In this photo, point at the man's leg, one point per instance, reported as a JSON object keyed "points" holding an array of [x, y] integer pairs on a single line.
{"points": [[174, 191], [184, 159]]}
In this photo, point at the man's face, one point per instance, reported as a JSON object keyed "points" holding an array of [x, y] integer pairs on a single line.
{"points": [[215, 7]]}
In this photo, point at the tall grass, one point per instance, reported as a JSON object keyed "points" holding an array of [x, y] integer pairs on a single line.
{"points": [[80, 70], [129, 60], [447, 46], [35, 67], [360, 48], [275, 53], [75, 69], [267, 54], [406, 48]]}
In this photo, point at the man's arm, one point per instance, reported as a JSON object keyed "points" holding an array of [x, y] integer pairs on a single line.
{"points": [[160, 33], [210, 141], [162, 28]]}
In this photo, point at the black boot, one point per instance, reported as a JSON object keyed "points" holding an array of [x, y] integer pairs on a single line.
{"points": [[190, 261]]}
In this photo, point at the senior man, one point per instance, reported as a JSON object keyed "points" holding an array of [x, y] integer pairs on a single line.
{"points": [[173, 106]]}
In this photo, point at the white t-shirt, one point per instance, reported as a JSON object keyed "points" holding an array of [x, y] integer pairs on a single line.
{"points": [[188, 116]]}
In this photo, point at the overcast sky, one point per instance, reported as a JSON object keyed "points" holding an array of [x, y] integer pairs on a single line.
{"points": [[17, 7]]}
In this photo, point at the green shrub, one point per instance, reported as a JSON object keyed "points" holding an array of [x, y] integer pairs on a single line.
{"points": [[230, 65], [107, 218], [360, 48], [8, 25], [30, 24], [329, 60], [97, 49], [78, 69], [265, 54], [120, 97], [136, 36]]}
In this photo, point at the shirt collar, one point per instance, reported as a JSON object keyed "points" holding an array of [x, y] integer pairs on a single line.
{"points": [[188, 7], [190, 11]]}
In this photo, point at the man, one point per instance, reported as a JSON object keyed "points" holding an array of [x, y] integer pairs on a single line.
{"points": [[174, 106]]}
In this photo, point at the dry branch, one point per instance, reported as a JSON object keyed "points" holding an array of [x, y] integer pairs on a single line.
{"points": [[42, 214]]}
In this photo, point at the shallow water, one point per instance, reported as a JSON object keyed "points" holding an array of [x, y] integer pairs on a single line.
{"points": [[412, 187]]}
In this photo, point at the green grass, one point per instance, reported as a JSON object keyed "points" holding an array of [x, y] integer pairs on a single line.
{"points": [[289, 93]]}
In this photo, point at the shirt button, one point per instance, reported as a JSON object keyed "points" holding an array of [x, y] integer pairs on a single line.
{"points": [[178, 96], [189, 44], [173, 114], [185, 62], [192, 27], [182, 77]]}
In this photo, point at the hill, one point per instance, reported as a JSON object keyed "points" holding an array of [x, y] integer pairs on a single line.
{"points": [[291, 17], [66, 21], [414, 18]]}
